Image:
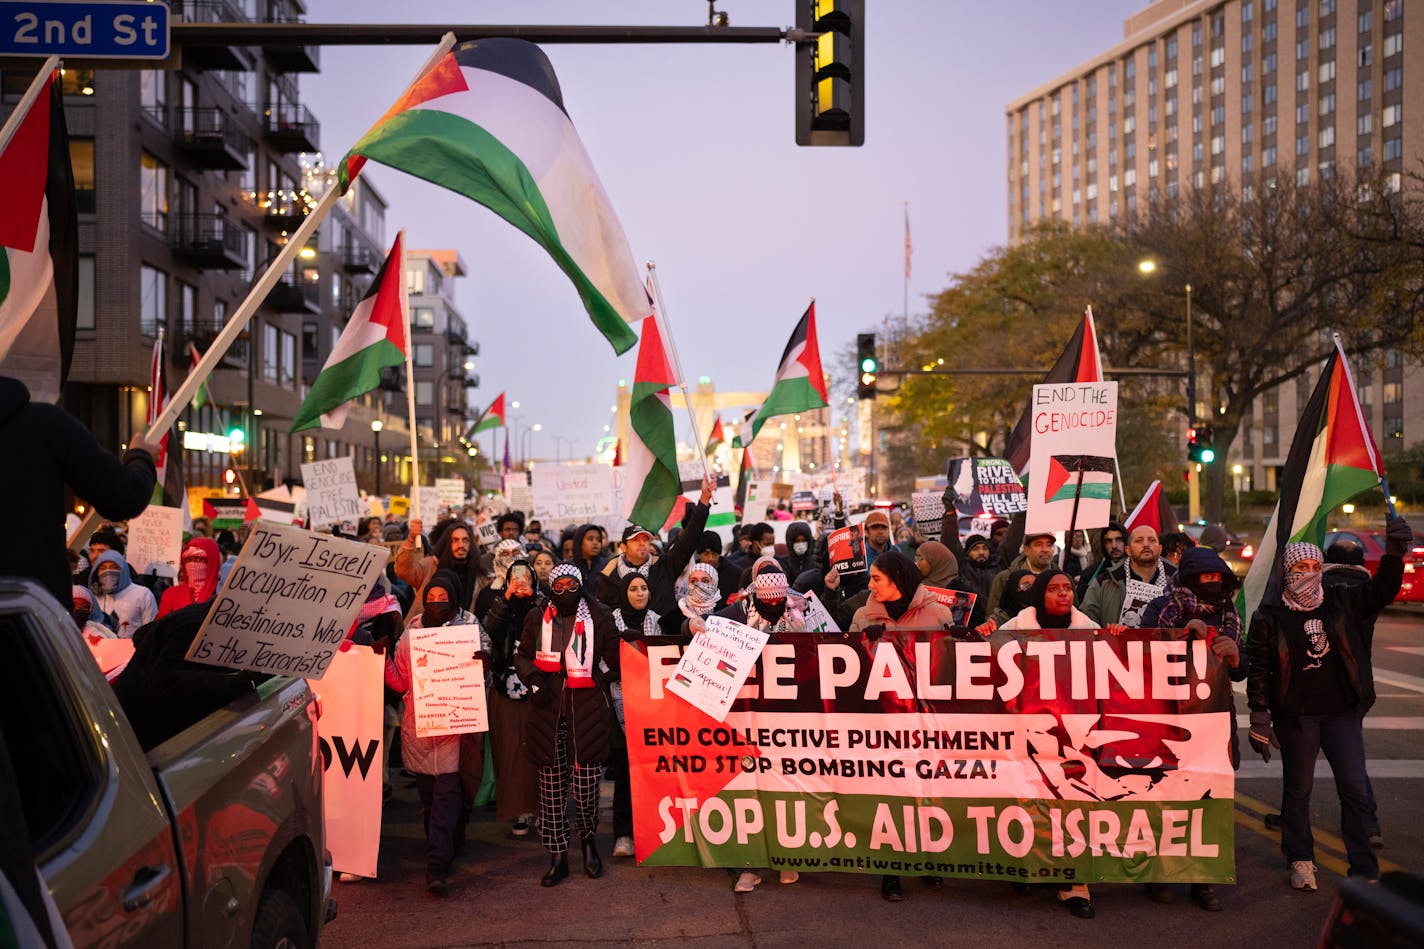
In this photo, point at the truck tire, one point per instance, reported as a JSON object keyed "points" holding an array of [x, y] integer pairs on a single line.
{"points": [[279, 923]]}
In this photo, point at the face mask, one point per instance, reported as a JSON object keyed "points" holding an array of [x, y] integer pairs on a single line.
{"points": [[1208, 591], [81, 617], [438, 614], [800, 548], [1304, 586], [197, 571], [566, 601], [109, 581]]}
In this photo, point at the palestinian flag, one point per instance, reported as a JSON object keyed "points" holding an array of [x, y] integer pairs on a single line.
{"points": [[651, 461], [39, 249], [487, 121], [201, 396], [800, 383], [1332, 458], [230, 513], [491, 418], [1081, 476], [1154, 511], [169, 490], [1080, 362], [374, 339], [718, 436]]}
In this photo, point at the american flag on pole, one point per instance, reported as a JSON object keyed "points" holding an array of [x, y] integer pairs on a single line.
{"points": [[907, 240]]}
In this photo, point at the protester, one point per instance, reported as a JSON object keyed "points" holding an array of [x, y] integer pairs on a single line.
{"points": [[700, 602], [436, 761], [634, 622], [125, 605], [709, 552], [662, 572], [1215, 537], [1121, 594], [800, 550], [543, 563], [1036, 557], [1174, 544], [1080, 555], [506, 552], [999, 540], [1112, 552], [110, 652], [587, 552], [1310, 684], [940, 569], [453, 551], [509, 526], [569, 725], [198, 566], [517, 784], [976, 567]]}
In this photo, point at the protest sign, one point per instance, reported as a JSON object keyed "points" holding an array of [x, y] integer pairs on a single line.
{"points": [[400, 505], [845, 548], [429, 506], [1070, 471], [447, 682], [928, 509], [332, 497], [986, 487], [351, 730], [491, 482], [374, 507], [759, 498], [567, 494], [715, 665], [288, 602], [519, 492], [818, 618], [803, 501], [936, 483], [1053, 756], [960, 604], [489, 533], [155, 541], [450, 492]]}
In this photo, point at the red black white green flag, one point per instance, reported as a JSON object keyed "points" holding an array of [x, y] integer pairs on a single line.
{"points": [[1153, 511], [491, 418], [1080, 362], [651, 481], [800, 384]]}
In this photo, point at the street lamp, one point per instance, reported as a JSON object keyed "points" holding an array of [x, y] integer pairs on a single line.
{"points": [[524, 440], [376, 426], [1146, 267]]}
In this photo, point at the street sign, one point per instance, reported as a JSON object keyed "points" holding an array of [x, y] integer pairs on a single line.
{"points": [[84, 30]]}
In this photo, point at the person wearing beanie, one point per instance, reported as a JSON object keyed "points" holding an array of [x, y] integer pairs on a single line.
{"points": [[1112, 553], [1215, 537], [709, 552], [940, 569]]}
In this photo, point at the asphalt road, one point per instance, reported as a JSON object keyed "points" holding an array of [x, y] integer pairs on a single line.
{"points": [[496, 899]]}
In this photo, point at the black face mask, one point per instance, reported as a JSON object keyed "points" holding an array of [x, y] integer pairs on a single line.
{"points": [[81, 617], [1210, 592], [566, 601], [438, 614]]}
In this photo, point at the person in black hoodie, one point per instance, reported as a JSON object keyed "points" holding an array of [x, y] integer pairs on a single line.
{"points": [[588, 552], [517, 783], [49, 449], [1112, 551], [662, 572], [800, 550]]}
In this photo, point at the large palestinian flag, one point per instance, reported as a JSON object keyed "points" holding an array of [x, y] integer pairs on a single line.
{"points": [[488, 121], [1332, 458], [39, 249], [651, 482], [1080, 362], [800, 382], [374, 339]]}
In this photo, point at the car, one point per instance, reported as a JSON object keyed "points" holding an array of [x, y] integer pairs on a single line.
{"points": [[1372, 542], [1239, 554]]}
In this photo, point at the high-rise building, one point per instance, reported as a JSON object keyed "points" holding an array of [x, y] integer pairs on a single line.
{"points": [[443, 356], [1201, 92]]}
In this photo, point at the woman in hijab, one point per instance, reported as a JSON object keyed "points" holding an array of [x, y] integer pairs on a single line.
{"points": [[700, 601], [767, 603], [506, 552], [634, 622], [517, 783], [436, 760], [197, 576], [940, 568], [569, 724]]}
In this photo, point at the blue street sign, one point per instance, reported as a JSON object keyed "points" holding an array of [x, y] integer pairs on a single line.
{"points": [[99, 30]]}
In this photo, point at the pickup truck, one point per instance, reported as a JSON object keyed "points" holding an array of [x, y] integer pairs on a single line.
{"points": [[212, 839]]}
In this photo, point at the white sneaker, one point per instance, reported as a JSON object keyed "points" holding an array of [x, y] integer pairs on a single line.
{"points": [[789, 877], [747, 882], [623, 847], [349, 877], [1303, 875]]}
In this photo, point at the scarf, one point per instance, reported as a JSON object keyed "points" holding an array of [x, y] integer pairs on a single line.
{"points": [[649, 622], [577, 660], [1304, 591], [506, 552], [1183, 606], [701, 599], [625, 568]]}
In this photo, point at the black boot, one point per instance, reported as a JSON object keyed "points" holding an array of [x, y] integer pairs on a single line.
{"points": [[558, 869], [890, 890], [592, 862]]}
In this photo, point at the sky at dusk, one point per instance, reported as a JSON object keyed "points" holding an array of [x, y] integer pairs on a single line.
{"points": [[695, 147]]}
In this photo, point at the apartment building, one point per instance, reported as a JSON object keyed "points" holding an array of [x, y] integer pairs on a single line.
{"points": [[442, 353]]}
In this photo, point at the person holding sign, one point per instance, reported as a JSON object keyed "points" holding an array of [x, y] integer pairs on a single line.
{"points": [[569, 725], [703, 595], [197, 576], [434, 760], [516, 783], [454, 552], [1121, 594]]}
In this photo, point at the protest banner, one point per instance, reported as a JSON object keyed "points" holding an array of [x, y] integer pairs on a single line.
{"points": [[928, 509], [1056, 756], [818, 618], [986, 487], [575, 494], [845, 548], [447, 682], [936, 483], [350, 732], [288, 602], [491, 482], [332, 497], [802, 501], [715, 665], [759, 498], [959, 603], [450, 492], [155, 541], [1074, 441], [519, 492]]}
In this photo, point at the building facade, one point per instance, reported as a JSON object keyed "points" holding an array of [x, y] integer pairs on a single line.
{"points": [[442, 354], [1201, 92]]}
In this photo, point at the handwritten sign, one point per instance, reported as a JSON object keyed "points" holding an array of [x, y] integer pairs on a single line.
{"points": [[818, 618], [572, 494], [488, 533], [400, 505], [288, 602], [332, 497], [845, 548], [156, 540], [428, 506], [450, 491], [986, 487], [716, 664], [519, 492], [351, 732], [960, 604], [1071, 452], [447, 682]]}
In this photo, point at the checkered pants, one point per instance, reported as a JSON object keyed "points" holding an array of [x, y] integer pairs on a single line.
{"points": [[555, 783]]}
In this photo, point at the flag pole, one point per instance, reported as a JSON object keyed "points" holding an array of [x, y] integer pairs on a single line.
{"points": [[22, 109], [410, 393], [661, 316], [1072, 518]]}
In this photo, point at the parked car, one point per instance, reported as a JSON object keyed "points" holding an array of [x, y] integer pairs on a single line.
{"points": [[1372, 542], [212, 838], [1240, 552]]}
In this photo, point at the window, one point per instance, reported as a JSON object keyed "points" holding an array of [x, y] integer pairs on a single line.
{"points": [[153, 192], [1302, 113], [1245, 42], [1245, 135], [423, 355], [310, 340], [1218, 85], [1392, 392], [153, 94], [1246, 11], [1268, 94], [424, 393], [1302, 17], [1268, 32], [1302, 145], [1169, 81], [1393, 149], [81, 159], [85, 318], [1327, 37], [270, 351], [1393, 44], [1364, 90], [1365, 157], [1245, 164], [1326, 137], [1392, 115], [1302, 82], [1327, 104], [1393, 78], [1302, 175], [1326, 72], [153, 300], [1218, 56], [1365, 124], [423, 317], [1268, 156], [1218, 115], [1268, 125], [1302, 50], [288, 367], [1218, 144], [1365, 56], [1247, 103], [415, 275], [187, 307]]}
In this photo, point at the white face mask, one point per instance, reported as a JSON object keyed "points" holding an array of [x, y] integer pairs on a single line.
{"points": [[109, 581], [800, 547]]}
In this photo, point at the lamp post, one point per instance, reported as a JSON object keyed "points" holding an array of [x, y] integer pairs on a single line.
{"points": [[1149, 266], [376, 426], [524, 441]]}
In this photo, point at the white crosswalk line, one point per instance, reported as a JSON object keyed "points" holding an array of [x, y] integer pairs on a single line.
{"points": [[1378, 769], [1385, 722]]}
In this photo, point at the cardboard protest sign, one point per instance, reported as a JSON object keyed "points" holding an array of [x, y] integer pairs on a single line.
{"points": [[447, 682], [572, 494], [351, 731], [399, 505], [332, 497], [845, 547], [960, 604], [429, 506], [716, 664], [488, 533], [450, 492], [1071, 456], [288, 602], [155, 541], [986, 487], [818, 618], [491, 482], [928, 508], [759, 498], [520, 493], [375, 507]]}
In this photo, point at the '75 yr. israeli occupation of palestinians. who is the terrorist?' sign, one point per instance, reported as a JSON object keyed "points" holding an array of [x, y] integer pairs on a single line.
{"points": [[1055, 756]]}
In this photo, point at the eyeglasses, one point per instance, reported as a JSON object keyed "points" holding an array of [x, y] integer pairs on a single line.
{"points": [[564, 585]]}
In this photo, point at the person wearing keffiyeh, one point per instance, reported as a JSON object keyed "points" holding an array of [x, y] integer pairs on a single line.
{"points": [[1309, 684], [634, 622], [768, 604], [701, 600], [571, 718]]}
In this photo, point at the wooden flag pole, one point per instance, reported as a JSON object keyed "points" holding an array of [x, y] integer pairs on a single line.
{"points": [[22, 109], [661, 316], [410, 400], [1072, 518]]}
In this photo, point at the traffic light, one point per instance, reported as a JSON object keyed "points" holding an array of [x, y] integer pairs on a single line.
{"points": [[866, 365], [236, 440], [1200, 447], [830, 73]]}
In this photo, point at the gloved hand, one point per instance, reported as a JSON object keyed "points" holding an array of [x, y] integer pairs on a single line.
{"points": [[542, 691], [513, 686], [874, 631], [1398, 536], [1262, 735]]}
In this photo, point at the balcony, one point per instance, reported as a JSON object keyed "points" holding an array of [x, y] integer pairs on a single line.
{"points": [[221, 56], [285, 210], [201, 334], [290, 127], [207, 240], [211, 139], [292, 58], [358, 258], [295, 296]]}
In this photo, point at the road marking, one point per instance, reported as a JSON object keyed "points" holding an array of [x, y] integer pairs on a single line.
{"points": [[1385, 722], [1260, 809], [1254, 768], [1400, 681], [1411, 650]]}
